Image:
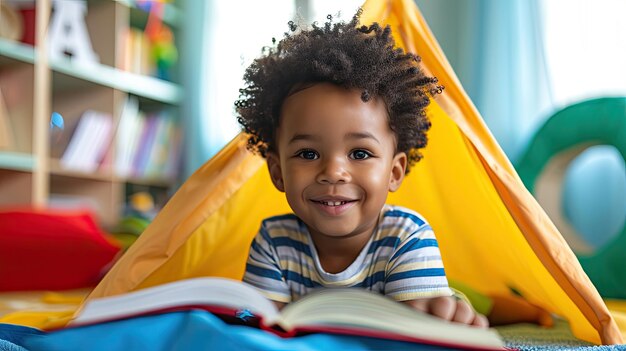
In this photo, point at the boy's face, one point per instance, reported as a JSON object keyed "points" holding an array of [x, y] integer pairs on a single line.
{"points": [[335, 159]]}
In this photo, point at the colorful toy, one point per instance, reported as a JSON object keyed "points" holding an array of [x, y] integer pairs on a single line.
{"points": [[557, 143], [164, 52], [57, 125]]}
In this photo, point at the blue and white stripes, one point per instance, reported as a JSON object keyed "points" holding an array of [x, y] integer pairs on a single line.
{"points": [[401, 260]]}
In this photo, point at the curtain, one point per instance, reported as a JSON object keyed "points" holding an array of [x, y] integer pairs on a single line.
{"points": [[496, 50], [221, 38], [194, 73]]}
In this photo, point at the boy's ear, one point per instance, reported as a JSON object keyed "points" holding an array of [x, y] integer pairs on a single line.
{"points": [[276, 174], [398, 169]]}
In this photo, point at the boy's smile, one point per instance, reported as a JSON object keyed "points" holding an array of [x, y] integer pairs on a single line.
{"points": [[335, 158]]}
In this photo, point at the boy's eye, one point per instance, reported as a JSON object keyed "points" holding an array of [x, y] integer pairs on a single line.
{"points": [[308, 155], [360, 154]]}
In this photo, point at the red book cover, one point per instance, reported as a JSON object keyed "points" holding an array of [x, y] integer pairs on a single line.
{"points": [[28, 21]]}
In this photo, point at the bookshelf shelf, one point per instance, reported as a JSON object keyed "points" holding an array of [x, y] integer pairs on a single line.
{"points": [[16, 161], [148, 87], [57, 169], [17, 51]]}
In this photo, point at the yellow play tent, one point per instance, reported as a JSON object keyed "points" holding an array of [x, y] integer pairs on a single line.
{"points": [[493, 235]]}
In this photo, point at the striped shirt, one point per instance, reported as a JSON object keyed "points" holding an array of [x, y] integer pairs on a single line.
{"points": [[401, 260]]}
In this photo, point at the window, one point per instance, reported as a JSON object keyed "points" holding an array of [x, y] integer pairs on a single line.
{"points": [[585, 46], [238, 31]]}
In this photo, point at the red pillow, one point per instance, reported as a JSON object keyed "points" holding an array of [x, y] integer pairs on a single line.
{"points": [[52, 250]]}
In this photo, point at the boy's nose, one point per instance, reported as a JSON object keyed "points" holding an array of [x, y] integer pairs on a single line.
{"points": [[334, 171]]}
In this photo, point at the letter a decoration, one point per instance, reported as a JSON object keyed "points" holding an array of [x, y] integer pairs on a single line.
{"points": [[68, 34]]}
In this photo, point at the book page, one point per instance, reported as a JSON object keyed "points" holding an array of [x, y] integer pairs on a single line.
{"points": [[206, 291], [363, 310]]}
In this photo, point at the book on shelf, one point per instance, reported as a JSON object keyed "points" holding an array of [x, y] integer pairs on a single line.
{"points": [[173, 163], [148, 145], [141, 158], [106, 164], [6, 131], [353, 311], [16, 85], [127, 136], [89, 142], [135, 52], [10, 22], [164, 140]]}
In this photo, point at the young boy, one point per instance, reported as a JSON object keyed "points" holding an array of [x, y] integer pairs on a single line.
{"points": [[338, 112]]}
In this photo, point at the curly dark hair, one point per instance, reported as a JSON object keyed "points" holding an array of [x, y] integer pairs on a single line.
{"points": [[345, 54]]}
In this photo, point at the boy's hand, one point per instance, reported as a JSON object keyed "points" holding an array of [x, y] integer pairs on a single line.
{"points": [[279, 305], [450, 309]]}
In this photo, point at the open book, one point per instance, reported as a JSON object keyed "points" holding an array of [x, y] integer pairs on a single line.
{"points": [[338, 311]]}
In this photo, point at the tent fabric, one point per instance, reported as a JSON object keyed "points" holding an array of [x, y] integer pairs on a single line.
{"points": [[493, 235]]}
